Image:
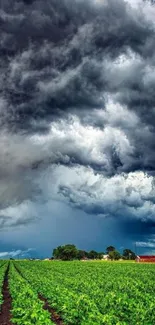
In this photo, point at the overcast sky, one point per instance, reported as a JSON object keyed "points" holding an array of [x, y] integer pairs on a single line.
{"points": [[77, 125]]}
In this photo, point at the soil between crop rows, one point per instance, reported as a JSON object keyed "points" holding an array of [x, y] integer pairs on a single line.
{"points": [[5, 314], [54, 316]]}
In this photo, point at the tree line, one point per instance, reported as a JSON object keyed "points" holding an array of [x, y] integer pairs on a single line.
{"points": [[70, 252]]}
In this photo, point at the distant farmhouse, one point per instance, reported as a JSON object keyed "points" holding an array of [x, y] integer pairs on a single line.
{"points": [[105, 257], [146, 258], [47, 259]]}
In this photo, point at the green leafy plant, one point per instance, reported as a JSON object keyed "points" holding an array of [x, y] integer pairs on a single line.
{"points": [[3, 268], [27, 309], [94, 293]]}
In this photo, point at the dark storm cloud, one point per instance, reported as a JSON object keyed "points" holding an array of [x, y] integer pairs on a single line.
{"points": [[77, 82], [62, 57], [141, 231], [53, 56]]}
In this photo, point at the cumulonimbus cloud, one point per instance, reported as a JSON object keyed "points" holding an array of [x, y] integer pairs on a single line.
{"points": [[77, 85], [119, 196]]}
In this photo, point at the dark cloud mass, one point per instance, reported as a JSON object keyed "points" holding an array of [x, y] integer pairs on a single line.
{"points": [[54, 56], [77, 108]]}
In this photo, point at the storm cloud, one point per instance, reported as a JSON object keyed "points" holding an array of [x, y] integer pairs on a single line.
{"points": [[77, 108], [63, 56]]}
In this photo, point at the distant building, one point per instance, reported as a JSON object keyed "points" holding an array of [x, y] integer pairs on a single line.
{"points": [[137, 259], [105, 257], [84, 259], [145, 258]]}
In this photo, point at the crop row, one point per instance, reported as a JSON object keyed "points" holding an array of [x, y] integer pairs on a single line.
{"points": [[3, 268], [27, 309], [96, 293], [74, 308]]}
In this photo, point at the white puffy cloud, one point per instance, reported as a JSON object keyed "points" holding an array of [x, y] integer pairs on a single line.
{"points": [[148, 244], [124, 195], [72, 141], [15, 253]]}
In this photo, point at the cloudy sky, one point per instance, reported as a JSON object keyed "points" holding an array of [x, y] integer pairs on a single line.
{"points": [[77, 125]]}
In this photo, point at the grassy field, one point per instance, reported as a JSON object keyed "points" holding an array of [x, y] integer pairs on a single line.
{"points": [[78, 293]]}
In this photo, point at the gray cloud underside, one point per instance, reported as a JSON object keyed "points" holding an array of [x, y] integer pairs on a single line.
{"points": [[62, 56], [77, 85]]}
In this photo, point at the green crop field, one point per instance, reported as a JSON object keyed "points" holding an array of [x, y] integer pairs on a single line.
{"points": [[80, 293]]}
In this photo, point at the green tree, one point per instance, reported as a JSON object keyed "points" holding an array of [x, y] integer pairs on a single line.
{"points": [[66, 253], [81, 254], [114, 255], [92, 255], [110, 249], [128, 254], [100, 256], [57, 252]]}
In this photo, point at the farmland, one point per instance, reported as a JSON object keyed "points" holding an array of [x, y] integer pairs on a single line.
{"points": [[77, 293]]}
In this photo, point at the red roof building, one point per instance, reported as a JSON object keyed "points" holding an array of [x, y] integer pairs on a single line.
{"points": [[146, 258]]}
